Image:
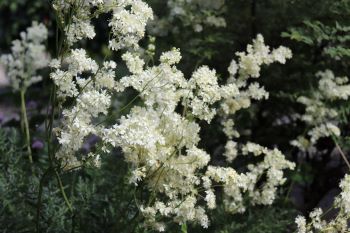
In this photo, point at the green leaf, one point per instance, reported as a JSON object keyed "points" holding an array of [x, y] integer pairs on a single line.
{"points": [[338, 51], [296, 35]]}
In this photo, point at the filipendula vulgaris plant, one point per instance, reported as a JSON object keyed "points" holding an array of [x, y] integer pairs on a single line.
{"points": [[28, 56], [321, 114], [242, 74], [159, 142], [79, 77]]}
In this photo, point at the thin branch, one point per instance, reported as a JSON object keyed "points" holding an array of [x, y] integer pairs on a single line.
{"points": [[59, 181], [343, 155], [26, 125]]}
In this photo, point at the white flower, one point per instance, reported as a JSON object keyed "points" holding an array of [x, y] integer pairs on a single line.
{"points": [[210, 199], [273, 164], [257, 92], [323, 130], [233, 68], [315, 217], [253, 148], [79, 29], [344, 195], [27, 58], [281, 54], [137, 175], [92, 100], [330, 86], [171, 57], [65, 83], [258, 54], [206, 92], [128, 26], [105, 78], [301, 142], [202, 218], [133, 62], [301, 224], [228, 129], [320, 114], [79, 62], [230, 151]]}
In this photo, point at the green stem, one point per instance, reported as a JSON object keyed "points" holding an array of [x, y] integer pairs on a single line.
{"points": [[341, 151], [59, 181], [41, 187], [26, 125]]}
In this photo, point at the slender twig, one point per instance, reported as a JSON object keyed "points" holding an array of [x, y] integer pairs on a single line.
{"points": [[343, 155], [26, 125], [335, 140], [63, 192], [38, 210]]}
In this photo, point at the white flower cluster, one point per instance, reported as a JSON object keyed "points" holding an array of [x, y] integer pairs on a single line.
{"points": [[80, 78], [128, 22], [89, 84], [160, 138], [79, 24], [161, 86], [249, 66], [128, 26], [161, 145], [166, 86], [196, 14], [236, 186], [333, 87], [319, 113], [28, 56], [338, 224], [205, 91], [134, 63], [272, 165], [231, 151], [344, 201]]}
